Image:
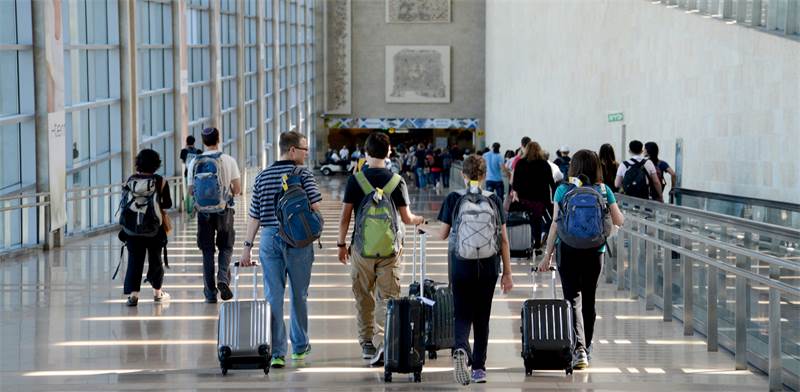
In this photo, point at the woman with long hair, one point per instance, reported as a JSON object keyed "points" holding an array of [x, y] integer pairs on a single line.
{"points": [[580, 268], [651, 149], [533, 187], [609, 165]]}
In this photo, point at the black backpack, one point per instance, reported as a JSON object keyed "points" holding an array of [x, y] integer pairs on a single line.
{"points": [[636, 181]]}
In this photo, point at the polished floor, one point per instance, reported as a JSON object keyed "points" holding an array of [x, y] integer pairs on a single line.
{"points": [[64, 326]]}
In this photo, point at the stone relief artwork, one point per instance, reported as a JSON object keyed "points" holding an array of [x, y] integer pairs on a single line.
{"points": [[417, 11], [418, 74], [338, 61]]}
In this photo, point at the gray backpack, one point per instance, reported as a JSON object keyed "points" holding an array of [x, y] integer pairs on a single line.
{"points": [[476, 228]]}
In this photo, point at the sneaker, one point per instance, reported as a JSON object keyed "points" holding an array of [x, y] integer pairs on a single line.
{"points": [[164, 297], [479, 376], [133, 300], [581, 359], [460, 367], [278, 362], [224, 291], [377, 360], [301, 356], [368, 350]]}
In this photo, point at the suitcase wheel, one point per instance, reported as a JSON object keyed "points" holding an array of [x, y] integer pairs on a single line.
{"points": [[432, 355], [418, 376], [387, 376]]}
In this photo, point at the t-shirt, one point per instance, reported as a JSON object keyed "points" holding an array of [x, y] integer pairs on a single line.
{"points": [[377, 177], [561, 191], [649, 166], [185, 154], [662, 168], [268, 183], [494, 162], [228, 170], [533, 180], [421, 156], [557, 174]]}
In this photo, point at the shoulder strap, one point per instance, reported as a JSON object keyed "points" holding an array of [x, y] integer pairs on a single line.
{"points": [[121, 252], [366, 187], [392, 184]]}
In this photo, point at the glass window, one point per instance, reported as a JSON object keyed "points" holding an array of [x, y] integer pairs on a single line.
{"points": [[199, 64]]}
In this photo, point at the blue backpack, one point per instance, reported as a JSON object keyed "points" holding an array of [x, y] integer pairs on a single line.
{"points": [[210, 195], [298, 225], [583, 220]]}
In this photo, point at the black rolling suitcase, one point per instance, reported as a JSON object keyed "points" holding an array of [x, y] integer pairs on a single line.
{"points": [[520, 238], [403, 345], [548, 337], [439, 318]]}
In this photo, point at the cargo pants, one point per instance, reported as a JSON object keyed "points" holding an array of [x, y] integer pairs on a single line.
{"points": [[375, 281]]}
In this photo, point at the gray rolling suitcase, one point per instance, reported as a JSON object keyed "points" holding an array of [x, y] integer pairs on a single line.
{"points": [[520, 238], [243, 330]]}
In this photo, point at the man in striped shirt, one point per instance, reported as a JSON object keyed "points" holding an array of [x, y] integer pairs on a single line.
{"points": [[278, 260]]}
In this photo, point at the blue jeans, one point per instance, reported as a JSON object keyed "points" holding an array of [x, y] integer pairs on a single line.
{"points": [[497, 187], [422, 181], [278, 261]]}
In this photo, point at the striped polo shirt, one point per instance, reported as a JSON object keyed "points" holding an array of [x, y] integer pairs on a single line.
{"points": [[268, 184]]}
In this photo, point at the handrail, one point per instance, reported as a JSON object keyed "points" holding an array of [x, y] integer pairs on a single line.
{"points": [[754, 226], [778, 205]]}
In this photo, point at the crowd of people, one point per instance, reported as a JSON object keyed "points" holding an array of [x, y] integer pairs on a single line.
{"points": [[538, 186]]}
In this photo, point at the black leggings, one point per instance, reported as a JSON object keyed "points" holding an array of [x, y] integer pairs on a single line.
{"points": [[580, 270], [138, 250], [473, 284]]}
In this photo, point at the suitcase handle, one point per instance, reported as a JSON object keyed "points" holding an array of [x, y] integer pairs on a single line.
{"points": [[236, 280], [552, 283], [423, 236]]}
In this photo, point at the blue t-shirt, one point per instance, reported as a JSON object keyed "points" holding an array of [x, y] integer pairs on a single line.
{"points": [[493, 162], [561, 191]]}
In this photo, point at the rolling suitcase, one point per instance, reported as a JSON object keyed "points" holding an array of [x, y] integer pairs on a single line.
{"points": [[548, 337], [520, 238], [404, 337], [439, 318], [243, 330]]}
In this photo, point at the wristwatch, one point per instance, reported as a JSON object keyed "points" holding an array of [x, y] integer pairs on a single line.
{"points": [[341, 245], [248, 244]]}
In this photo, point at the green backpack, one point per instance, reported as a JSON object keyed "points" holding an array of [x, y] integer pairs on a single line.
{"points": [[377, 230]]}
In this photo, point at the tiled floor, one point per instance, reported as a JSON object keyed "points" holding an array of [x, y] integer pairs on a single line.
{"points": [[63, 326]]}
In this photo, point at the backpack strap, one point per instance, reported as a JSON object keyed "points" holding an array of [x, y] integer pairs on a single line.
{"points": [[366, 187], [121, 252], [392, 184]]}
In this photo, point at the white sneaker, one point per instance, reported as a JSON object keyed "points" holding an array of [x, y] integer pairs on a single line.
{"points": [[460, 367], [164, 297]]}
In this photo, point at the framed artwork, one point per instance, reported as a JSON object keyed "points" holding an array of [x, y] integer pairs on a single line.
{"points": [[417, 74], [338, 57], [418, 11]]}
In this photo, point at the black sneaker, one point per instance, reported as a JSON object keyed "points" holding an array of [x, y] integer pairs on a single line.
{"points": [[224, 291], [132, 300], [368, 350], [377, 360]]}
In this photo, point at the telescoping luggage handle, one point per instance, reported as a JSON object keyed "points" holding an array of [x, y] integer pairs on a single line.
{"points": [[422, 254], [552, 283], [236, 280]]}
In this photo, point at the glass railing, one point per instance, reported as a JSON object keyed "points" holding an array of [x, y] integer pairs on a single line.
{"points": [[734, 280], [758, 210]]}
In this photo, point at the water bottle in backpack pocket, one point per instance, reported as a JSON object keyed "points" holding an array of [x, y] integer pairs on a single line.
{"points": [[210, 194], [298, 225], [378, 232], [475, 233], [584, 221], [139, 212]]}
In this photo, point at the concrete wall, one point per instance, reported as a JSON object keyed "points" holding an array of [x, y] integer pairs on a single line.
{"points": [[555, 68], [465, 35]]}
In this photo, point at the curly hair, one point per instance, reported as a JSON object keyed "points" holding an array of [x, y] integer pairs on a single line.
{"points": [[148, 161], [474, 167]]}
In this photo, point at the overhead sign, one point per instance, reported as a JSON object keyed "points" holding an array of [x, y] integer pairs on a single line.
{"points": [[616, 117]]}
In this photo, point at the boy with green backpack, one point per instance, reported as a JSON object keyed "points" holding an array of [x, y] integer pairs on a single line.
{"points": [[380, 200]]}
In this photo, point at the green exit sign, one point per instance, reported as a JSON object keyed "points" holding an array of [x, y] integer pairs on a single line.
{"points": [[616, 117]]}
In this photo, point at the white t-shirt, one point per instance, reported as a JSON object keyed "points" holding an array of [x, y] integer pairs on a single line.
{"points": [[649, 166], [344, 153], [229, 170], [557, 174]]}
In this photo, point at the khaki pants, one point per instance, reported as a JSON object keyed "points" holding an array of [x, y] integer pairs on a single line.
{"points": [[367, 274]]}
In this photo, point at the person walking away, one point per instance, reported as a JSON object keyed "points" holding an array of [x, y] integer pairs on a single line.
{"points": [[436, 168], [214, 181], [475, 266], [144, 226], [375, 259], [558, 176], [579, 248], [447, 164], [609, 165], [638, 174], [533, 186], [651, 151], [563, 160], [419, 169], [188, 154], [520, 151], [494, 172], [279, 258]]}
